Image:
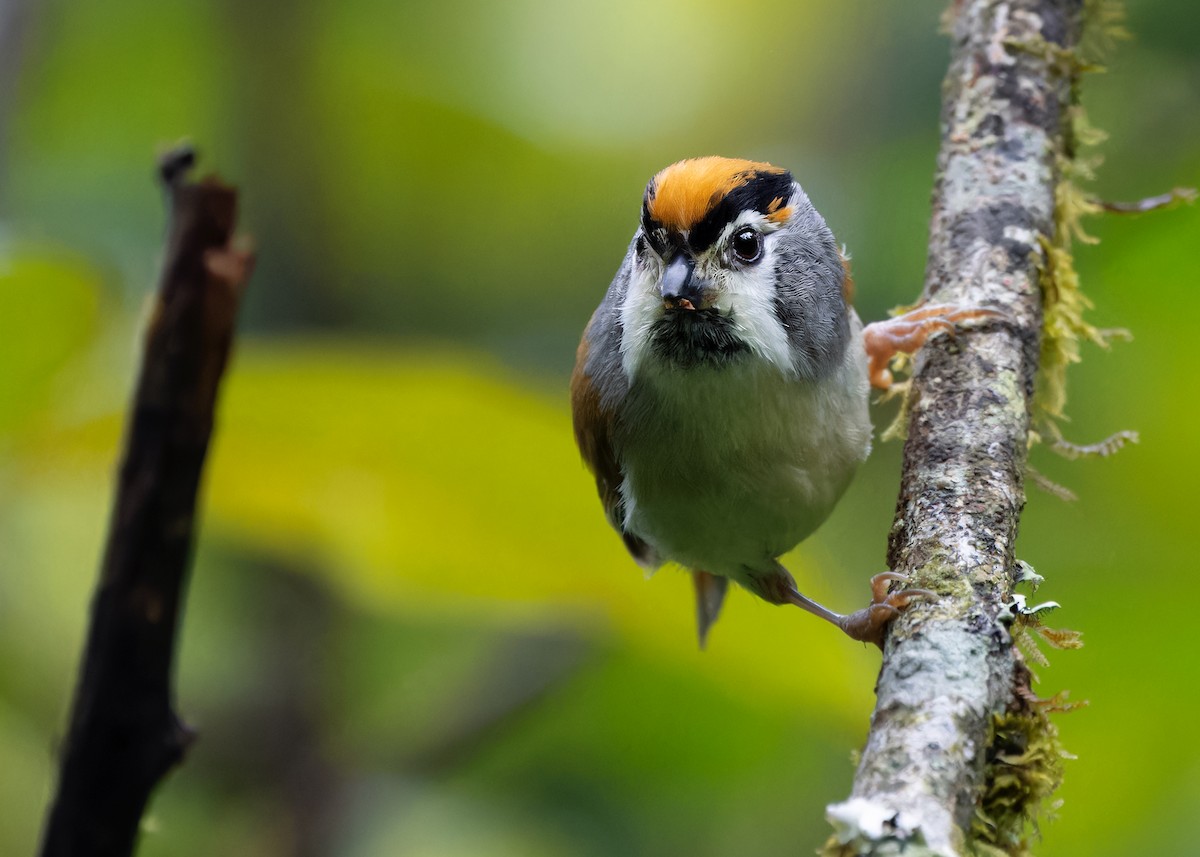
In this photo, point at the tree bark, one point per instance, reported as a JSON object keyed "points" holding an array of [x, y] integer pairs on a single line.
{"points": [[123, 735], [950, 668]]}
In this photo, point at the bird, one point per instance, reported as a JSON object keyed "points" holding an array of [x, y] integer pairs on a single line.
{"points": [[720, 391]]}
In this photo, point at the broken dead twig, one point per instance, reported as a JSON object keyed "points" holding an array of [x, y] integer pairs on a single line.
{"points": [[124, 735]]}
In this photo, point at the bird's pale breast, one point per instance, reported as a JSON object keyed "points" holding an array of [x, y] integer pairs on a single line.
{"points": [[727, 467]]}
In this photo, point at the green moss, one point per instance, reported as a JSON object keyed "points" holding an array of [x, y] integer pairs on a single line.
{"points": [[1103, 27], [898, 428], [943, 576], [1064, 304], [1027, 629], [1063, 328], [1024, 767], [1024, 757]]}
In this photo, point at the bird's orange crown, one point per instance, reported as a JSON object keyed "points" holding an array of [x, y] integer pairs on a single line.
{"points": [[685, 193]]}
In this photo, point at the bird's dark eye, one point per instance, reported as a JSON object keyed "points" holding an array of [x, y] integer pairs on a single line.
{"points": [[747, 245], [641, 245]]}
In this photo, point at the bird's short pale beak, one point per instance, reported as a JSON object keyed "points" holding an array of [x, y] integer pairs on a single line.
{"points": [[681, 288]]}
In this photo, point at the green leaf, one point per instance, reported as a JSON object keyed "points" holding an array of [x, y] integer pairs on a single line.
{"points": [[50, 307]]}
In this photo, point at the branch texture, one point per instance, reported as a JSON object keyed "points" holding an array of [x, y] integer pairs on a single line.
{"points": [[123, 735], [950, 668]]}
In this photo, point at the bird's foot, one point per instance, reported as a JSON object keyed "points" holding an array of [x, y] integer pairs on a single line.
{"points": [[867, 625], [907, 333], [870, 623]]}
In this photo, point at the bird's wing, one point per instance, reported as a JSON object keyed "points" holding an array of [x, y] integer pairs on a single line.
{"points": [[598, 386], [595, 425]]}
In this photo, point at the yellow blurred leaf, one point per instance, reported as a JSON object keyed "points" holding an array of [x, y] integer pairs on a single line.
{"points": [[427, 482], [49, 310]]}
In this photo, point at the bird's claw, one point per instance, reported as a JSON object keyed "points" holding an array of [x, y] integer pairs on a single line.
{"points": [[870, 623], [908, 332]]}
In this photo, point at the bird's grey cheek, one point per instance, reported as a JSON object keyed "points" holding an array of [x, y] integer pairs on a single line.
{"points": [[783, 312], [790, 311]]}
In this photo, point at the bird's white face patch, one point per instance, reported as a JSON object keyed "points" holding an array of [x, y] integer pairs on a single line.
{"points": [[643, 306], [744, 294]]}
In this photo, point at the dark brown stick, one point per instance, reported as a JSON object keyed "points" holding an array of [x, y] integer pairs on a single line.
{"points": [[123, 735]]}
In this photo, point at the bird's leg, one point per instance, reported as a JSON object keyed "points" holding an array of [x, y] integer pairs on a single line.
{"points": [[868, 624], [906, 333]]}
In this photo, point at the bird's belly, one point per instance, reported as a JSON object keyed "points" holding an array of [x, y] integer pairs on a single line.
{"points": [[735, 466], [707, 520]]}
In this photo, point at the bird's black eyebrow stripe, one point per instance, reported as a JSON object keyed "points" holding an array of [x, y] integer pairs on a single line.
{"points": [[756, 195], [649, 224], [652, 229]]}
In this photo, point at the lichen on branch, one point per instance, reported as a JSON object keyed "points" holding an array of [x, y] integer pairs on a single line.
{"points": [[961, 754]]}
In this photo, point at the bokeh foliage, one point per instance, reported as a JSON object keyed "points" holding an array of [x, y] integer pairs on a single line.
{"points": [[410, 631]]}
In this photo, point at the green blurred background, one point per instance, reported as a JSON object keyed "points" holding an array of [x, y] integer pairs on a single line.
{"points": [[410, 630]]}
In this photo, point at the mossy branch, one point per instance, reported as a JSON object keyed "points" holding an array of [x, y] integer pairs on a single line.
{"points": [[961, 753]]}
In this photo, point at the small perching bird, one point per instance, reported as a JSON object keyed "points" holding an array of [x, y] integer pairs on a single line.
{"points": [[720, 389]]}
